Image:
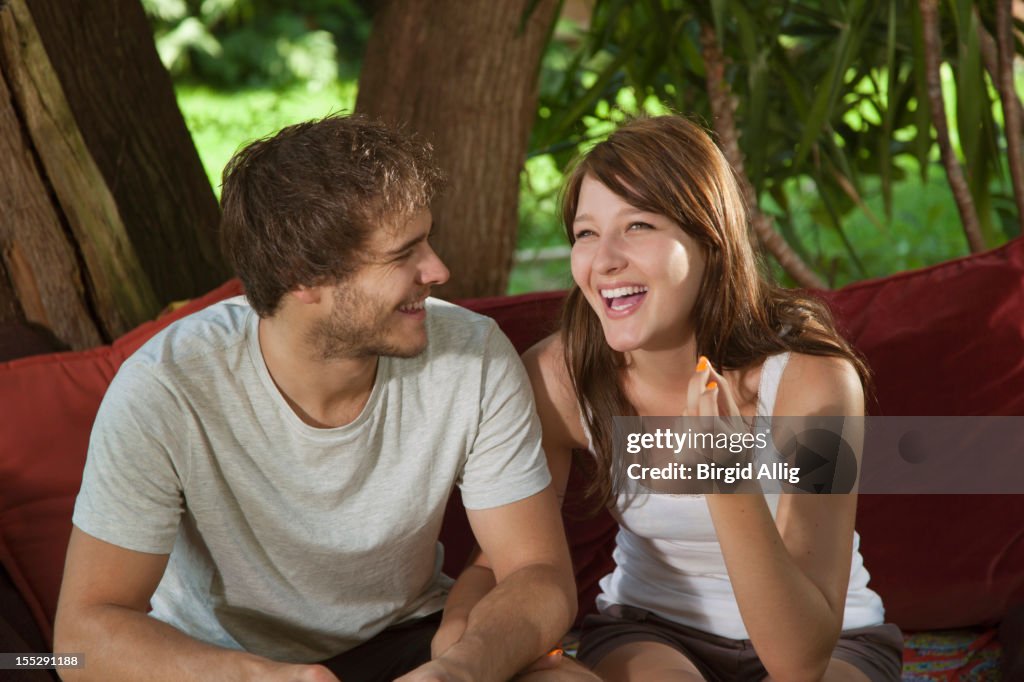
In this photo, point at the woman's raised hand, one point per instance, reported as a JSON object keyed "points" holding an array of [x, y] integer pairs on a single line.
{"points": [[709, 394]]}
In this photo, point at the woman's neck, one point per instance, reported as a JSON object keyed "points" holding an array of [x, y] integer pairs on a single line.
{"points": [[661, 371], [655, 382]]}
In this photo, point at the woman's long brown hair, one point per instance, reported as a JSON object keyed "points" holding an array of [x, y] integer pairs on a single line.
{"points": [[670, 166]]}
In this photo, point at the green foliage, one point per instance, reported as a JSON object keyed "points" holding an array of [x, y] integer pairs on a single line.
{"points": [[835, 131], [832, 114], [259, 43], [222, 122]]}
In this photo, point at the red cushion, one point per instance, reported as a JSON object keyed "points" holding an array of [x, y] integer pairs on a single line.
{"points": [[525, 319], [943, 561], [49, 404], [960, 319], [946, 340]]}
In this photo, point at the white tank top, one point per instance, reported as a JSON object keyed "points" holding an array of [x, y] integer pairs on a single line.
{"points": [[668, 560]]}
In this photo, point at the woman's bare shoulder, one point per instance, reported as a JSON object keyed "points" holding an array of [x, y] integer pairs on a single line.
{"points": [[547, 350], [552, 389], [820, 384]]}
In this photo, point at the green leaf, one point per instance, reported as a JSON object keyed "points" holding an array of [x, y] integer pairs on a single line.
{"points": [[599, 89], [851, 35], [753, 139], [885, 140], [827, 201], [718, 11]]}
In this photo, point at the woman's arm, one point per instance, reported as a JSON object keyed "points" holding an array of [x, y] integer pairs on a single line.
{"points": [[557, 408], [790, 574]]}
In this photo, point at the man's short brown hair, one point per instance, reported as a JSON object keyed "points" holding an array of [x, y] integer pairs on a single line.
{"points": [[299, 206]]}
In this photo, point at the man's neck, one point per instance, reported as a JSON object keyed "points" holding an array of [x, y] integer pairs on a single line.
{"points": [[323, 393]]}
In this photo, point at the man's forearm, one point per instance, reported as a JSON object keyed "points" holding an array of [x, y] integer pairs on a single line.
{"points": [[473, 584], [518, 621], [123, 644]]}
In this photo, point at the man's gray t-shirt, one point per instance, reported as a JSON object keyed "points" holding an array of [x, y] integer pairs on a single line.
{"points": [[290, 541]]}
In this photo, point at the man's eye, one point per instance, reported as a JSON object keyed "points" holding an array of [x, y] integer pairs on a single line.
{"points": [[641, 226]]}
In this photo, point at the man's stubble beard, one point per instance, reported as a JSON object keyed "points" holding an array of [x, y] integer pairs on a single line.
{"points": [[357, 328]]}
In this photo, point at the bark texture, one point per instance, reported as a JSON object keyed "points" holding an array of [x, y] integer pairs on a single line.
{"points": [[107, 214], [1011, 104], [463, 74], [954, 173], [722, 111]]}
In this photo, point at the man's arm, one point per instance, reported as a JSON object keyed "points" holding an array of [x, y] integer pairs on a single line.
{"points": [[534, 602], [102, 614], [472, 585]]}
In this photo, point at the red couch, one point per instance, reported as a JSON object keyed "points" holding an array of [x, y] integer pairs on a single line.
{"points": [[945, 340]]}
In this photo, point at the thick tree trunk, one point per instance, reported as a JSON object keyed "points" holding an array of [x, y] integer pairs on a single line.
{"points": [[464, 75], [106, 212], [40, 269]]}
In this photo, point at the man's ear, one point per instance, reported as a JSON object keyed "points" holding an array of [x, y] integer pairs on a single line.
{"points": [[308, 295]]}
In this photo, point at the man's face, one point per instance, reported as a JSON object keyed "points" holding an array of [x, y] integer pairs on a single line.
{"points": [[378, 310]]}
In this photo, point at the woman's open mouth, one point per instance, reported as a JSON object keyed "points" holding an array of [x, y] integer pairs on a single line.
{"points": [[623, 300]]}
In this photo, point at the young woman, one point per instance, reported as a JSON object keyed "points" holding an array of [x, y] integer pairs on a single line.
{"points": [[670, 316]]}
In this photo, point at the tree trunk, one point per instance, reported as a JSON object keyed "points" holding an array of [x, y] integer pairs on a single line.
{"points": [[41, 274], [464, 75], [990, 55], [954, 173], [1011, 104], [722, 110], [107, 214]]}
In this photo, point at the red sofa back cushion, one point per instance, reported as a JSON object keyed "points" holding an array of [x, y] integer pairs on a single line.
{"points": [[945, 340], [949, 341], [49, 404]]}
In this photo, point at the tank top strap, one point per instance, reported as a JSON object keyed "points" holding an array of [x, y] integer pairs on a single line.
{"points": [[586, 430], [771, 377], [767, 391]]}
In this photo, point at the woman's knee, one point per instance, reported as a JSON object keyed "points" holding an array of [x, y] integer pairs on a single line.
{"points": [[647, 662]]}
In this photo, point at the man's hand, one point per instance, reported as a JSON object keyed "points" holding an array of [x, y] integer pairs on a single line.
{"points": [[299, 673], [438, 670], [476, 580], [450, 632]]}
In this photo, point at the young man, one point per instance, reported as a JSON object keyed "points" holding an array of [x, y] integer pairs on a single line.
{"points": [[270, 474]]}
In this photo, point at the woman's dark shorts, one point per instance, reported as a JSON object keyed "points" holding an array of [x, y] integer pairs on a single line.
{"points": [[876, 651]]}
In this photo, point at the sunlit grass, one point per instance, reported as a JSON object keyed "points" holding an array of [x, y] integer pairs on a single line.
{"points": [[222, 122], [924, 229]]}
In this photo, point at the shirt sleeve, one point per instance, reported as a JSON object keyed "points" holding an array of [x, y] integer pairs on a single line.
{"points": [[131, 493], [506, 463]]}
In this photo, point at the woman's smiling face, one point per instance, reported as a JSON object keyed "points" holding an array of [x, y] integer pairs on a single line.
{"points": [[639, 270]]}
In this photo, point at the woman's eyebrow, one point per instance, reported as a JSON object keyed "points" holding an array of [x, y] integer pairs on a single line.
{"points": [[629, 211]]}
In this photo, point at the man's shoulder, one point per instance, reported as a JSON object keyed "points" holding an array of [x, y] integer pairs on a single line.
{"points": [[450, 324], [447, 310], [198, 337]]}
